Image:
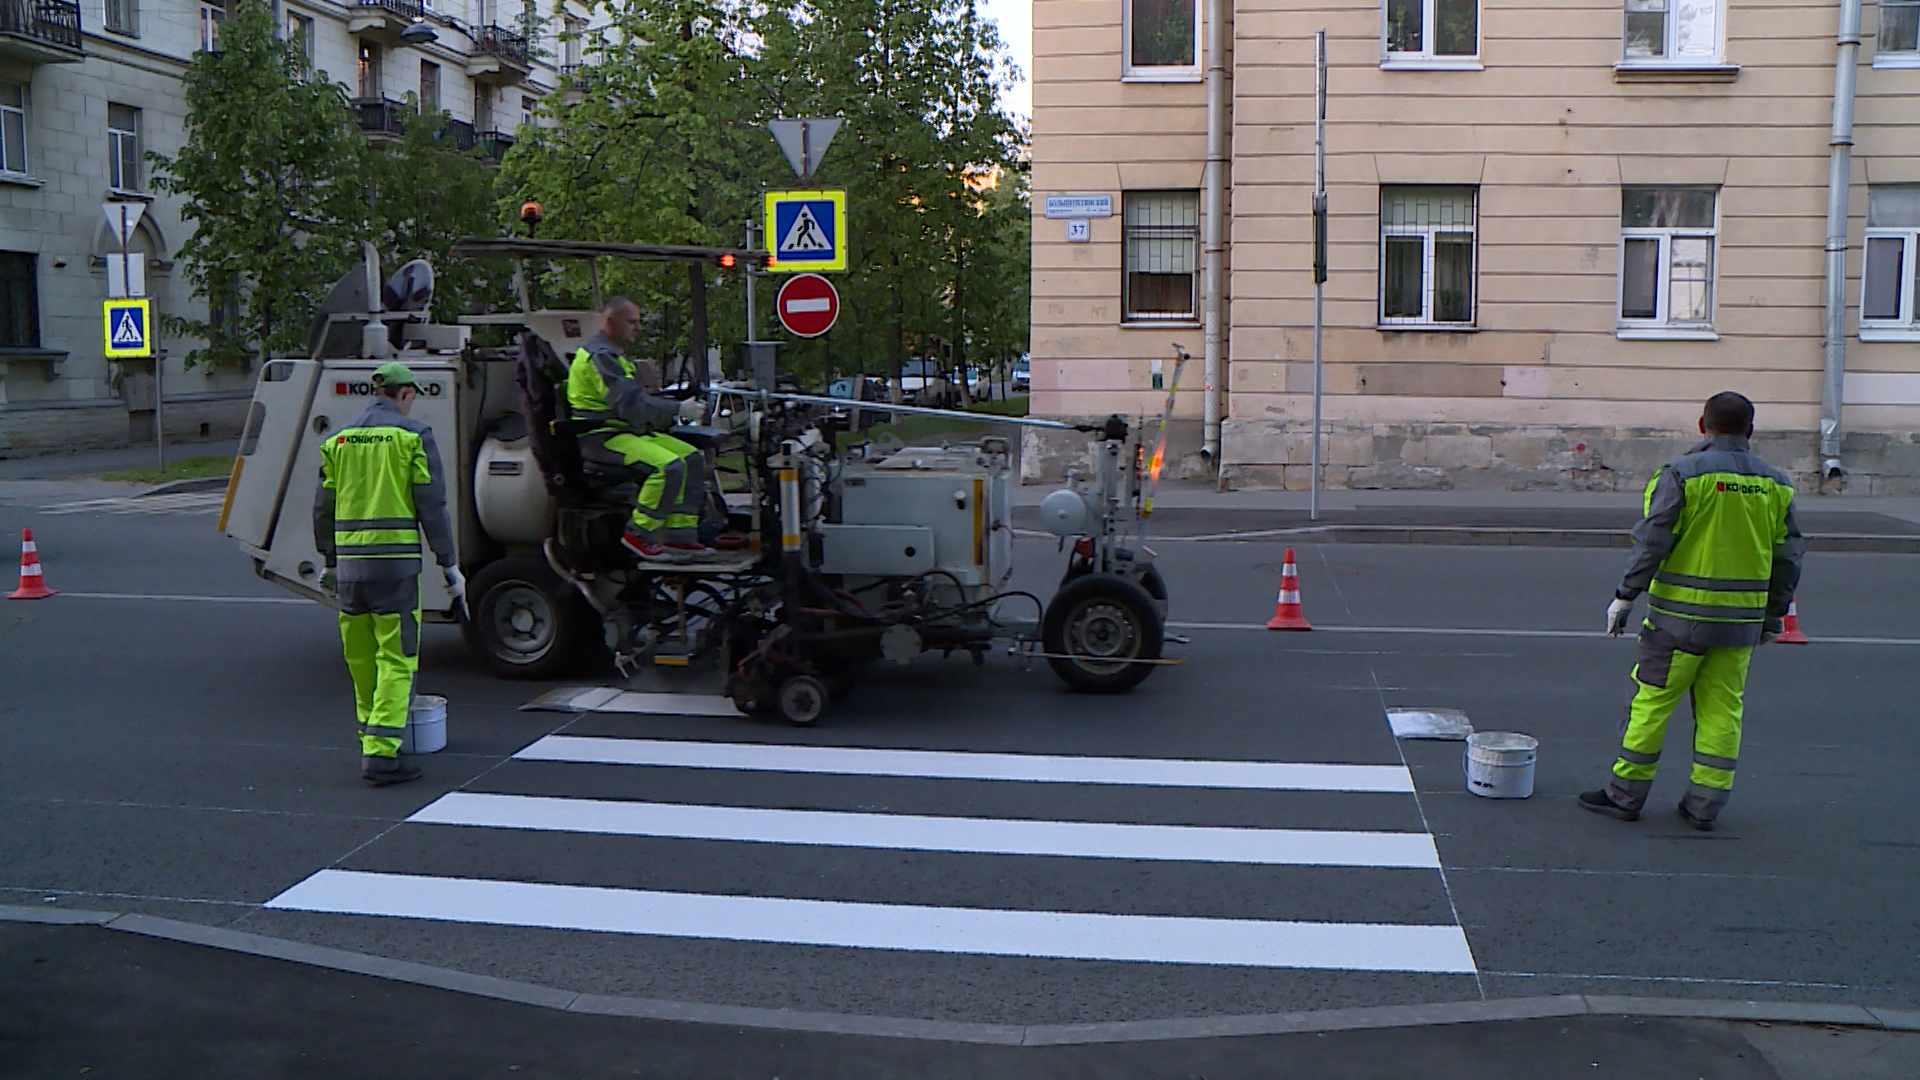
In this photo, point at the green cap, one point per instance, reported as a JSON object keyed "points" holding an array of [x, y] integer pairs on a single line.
{"points": [[393, 373]]}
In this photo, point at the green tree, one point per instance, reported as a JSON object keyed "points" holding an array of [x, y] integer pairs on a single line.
{"points": [[423, 194], [270, 171]]}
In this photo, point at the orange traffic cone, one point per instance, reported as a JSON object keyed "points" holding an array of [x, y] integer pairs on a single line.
{"points": [[33, 584], [1790, 629], [1286, 611]]}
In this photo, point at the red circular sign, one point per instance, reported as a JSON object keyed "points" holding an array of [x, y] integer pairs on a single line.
{"points": [[807, 305]]}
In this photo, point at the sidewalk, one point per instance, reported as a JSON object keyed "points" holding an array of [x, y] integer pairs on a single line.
{"points": [[93, 463], [87, 1000]]}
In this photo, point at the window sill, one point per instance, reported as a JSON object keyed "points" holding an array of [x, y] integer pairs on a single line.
{"points": [[1665, 333], [1890, 333], [117, 32], [52, 358], [1171, 75], [1427, 328], [129, 195], [1640, 71], [1432, 63], [21, 180], [1895, 61], [1158, 324]]}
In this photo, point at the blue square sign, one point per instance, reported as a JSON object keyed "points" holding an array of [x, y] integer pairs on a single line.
{"points": [[806, 230]]}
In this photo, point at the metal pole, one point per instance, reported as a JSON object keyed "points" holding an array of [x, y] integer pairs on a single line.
{"points": [[1320, 238], [752, 334], [1839, 180], [1213, 239]]}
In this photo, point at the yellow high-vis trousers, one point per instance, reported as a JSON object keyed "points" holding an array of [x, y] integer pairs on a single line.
{"points": [[1717, 679], [380, 635]]}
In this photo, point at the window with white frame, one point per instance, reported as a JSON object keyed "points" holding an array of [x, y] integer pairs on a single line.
{"points": [[211, 16], [1666, 258], [1678, 32], [300, 32], [13, 127], [1426, 255], [1163, 39], [1160, 281], [1887, 281], [1432, 29], [123, 147], [1899, 28], [121, 17]]}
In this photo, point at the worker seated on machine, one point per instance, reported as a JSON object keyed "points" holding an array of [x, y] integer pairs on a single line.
{"points": [[631, 429]]}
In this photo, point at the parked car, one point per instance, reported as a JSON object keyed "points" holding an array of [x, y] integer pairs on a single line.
{"points": [[923, 383], [848, 389], [1021, 380]]}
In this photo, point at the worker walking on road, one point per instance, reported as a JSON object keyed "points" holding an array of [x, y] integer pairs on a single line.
{"points": [[381, 486], [632, 423], [1718, 554]]}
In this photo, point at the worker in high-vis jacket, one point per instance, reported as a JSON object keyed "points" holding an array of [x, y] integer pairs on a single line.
{"points": [[382, 487], [631, 429], [1718, 555]]}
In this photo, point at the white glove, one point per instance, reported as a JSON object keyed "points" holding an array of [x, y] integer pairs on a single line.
{"points": [[1767, 636], [693, 410], [1617, 613], [456, 583]]}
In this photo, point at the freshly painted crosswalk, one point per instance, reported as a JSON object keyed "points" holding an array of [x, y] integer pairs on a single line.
{"points": [[880, 899]]}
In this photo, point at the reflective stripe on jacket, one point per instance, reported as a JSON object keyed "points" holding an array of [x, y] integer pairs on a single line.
{"points": [[1718, 550], [381, 485]]}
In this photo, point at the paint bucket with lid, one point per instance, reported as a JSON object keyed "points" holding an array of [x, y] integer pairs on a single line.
{"points": [[1499, 764], [426, 725]]}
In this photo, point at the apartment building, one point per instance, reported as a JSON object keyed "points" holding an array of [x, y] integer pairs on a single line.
{"points": [[1555, 227], [87, 87]]}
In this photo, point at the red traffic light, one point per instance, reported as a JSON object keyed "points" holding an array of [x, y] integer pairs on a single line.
{"points": [[728, 260]]}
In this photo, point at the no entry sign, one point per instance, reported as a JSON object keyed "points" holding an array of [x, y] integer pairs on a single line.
{"points": [[808, 305]]}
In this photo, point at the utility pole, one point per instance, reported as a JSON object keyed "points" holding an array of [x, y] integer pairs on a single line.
{"points": [[1319, 251]]}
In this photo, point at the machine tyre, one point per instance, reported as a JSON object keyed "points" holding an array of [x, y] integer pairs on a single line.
{"points": [[526, 623], [802, 700], [1093, 629]]}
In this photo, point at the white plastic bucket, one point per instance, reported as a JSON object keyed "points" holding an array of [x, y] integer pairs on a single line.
{"points": [[1499, 764], [426, 725]]}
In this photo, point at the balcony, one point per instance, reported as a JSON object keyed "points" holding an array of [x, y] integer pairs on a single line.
{"points": [[499, 56], [40, 31], [383, 18], [381, 119], [460, 134], [494, 144]]}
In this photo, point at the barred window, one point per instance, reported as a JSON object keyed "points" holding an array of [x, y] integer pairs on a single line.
{"points": [[1162, 257], [1426, 255]]}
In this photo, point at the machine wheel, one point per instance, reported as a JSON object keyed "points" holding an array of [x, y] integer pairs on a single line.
{"points": [[801, 700], [1094, 627], [525, 622]]}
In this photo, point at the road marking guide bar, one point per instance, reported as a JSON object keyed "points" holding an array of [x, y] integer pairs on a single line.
{"points": [[956, 765], [910, 832], [977, 931]]}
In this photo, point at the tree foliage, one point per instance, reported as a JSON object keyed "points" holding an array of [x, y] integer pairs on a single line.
{"points": [[666, 144], [282, 189]]}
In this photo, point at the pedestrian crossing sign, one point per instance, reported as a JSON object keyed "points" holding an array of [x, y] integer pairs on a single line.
{"points": [[806, 230], [129, 328]]}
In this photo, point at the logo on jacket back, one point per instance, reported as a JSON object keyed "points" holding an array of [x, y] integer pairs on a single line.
{"points": [[365, 389], [1740, 489]]}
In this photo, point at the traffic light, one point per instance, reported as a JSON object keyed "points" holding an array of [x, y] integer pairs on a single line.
{"points": [[728, 260]]}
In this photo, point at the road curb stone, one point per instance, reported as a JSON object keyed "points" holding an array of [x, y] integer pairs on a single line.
{"points": [[1386, 1016]]}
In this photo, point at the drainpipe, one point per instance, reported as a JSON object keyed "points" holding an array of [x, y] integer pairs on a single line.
{"points": [[1214, 232], [1839, 178]]}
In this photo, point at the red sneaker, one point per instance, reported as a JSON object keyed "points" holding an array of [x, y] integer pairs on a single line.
{"points": [[643, 548]]}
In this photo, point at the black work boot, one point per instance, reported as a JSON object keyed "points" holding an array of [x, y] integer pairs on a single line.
{"points": [[1700, 823], [385, 771], [1601, 803]]}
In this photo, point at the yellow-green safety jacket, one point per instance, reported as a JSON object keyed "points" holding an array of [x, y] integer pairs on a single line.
{"points": [[381, 486], [604, 386], [1718, 551]]}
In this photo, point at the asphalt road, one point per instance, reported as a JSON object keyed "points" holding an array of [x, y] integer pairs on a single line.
{"points": [[193, 759]]}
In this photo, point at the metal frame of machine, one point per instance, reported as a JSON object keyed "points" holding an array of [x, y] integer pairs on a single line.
{"points": [[862, 549]]}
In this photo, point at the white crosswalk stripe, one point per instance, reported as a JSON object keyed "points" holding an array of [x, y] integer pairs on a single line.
{"points": [[868, 917], [186, 502]]}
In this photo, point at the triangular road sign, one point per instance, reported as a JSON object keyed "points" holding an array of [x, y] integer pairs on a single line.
{"points": [[805, 234], [127, 332], [122, 218], [804, 141]]}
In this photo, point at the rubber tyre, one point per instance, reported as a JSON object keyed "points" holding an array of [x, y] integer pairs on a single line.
{"points": [[526, 623], [802, 700], [1107, 616]]}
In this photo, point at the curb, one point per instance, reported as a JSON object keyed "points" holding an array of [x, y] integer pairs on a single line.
{"points": [[1475, 536], [1292, 1023], [176, 487]]}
